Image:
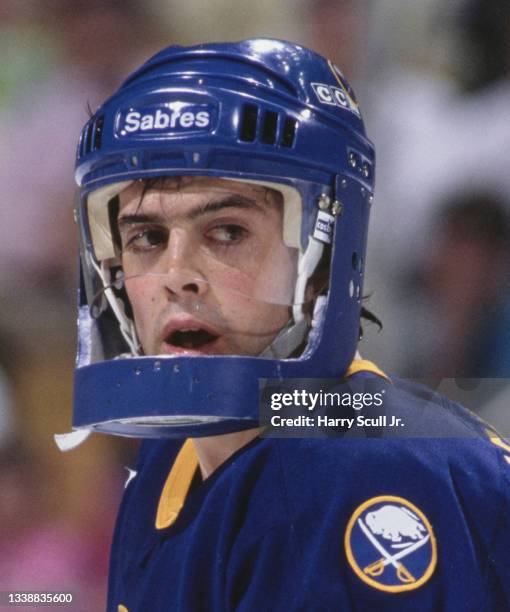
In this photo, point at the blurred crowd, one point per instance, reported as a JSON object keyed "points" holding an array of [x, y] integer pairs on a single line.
{"points": [[433, 77]]}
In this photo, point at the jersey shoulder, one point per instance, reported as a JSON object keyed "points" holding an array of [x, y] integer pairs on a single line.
{"points": [[441, 447], [424, 411]]}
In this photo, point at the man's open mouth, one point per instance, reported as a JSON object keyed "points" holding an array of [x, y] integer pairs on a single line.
{"points": [[190, 338]]}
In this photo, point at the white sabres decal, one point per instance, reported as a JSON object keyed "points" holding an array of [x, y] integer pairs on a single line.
{"points": [[163, 120]]}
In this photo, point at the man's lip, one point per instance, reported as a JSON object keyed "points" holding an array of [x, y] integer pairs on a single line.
{"points": [[186, 323]]}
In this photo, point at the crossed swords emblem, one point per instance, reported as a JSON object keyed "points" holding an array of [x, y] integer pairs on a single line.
{"points": [[377, 567]]}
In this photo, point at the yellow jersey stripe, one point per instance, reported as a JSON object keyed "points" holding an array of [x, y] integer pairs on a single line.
{"points": [[363, 365], [177, 485]]}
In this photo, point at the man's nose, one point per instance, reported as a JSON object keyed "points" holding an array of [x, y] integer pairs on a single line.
{"points": [[183, 274]]}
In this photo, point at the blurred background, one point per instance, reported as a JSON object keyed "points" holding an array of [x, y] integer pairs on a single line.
{"points": [[433, 77]]}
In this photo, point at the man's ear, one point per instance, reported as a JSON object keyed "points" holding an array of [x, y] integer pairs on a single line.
{"points": [[318, 283]]}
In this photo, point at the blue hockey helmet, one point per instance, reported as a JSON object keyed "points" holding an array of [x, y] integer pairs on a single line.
{"points": [[267, 114]]}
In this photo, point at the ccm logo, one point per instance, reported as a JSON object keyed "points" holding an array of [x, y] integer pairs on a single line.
{"points": [[334, 96]]}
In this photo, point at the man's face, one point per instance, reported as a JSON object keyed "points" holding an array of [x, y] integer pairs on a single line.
{"points": [[206, 268]]}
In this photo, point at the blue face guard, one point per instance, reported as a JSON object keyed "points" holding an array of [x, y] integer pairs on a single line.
{"points": [[259, 115]]}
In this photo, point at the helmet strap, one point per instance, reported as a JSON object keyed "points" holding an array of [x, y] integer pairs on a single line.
{"points": [[127, 326]]}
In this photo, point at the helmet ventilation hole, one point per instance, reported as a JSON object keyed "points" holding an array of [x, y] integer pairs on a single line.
{"points": [[269, 132], [269, 128], [288, 132], [248, 130], [91, 136], [98, 132]]}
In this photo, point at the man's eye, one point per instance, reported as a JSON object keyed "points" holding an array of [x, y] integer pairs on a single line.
{"points": [[146, 239], [226, 234]]}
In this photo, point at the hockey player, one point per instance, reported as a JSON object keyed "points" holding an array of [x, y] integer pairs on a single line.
{"points": [[224, 200]]}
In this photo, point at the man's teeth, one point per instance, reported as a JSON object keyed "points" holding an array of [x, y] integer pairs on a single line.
{"points": [[191, 337]]}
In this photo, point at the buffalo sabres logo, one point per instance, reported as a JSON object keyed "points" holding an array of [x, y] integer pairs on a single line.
{"points": [[390, 544]]}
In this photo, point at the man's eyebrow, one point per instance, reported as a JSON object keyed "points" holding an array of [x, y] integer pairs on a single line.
{"points": [[139, 218], [231, 201]]}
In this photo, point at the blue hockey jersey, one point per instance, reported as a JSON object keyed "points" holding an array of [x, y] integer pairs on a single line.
{"points": [[338, 523]]}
